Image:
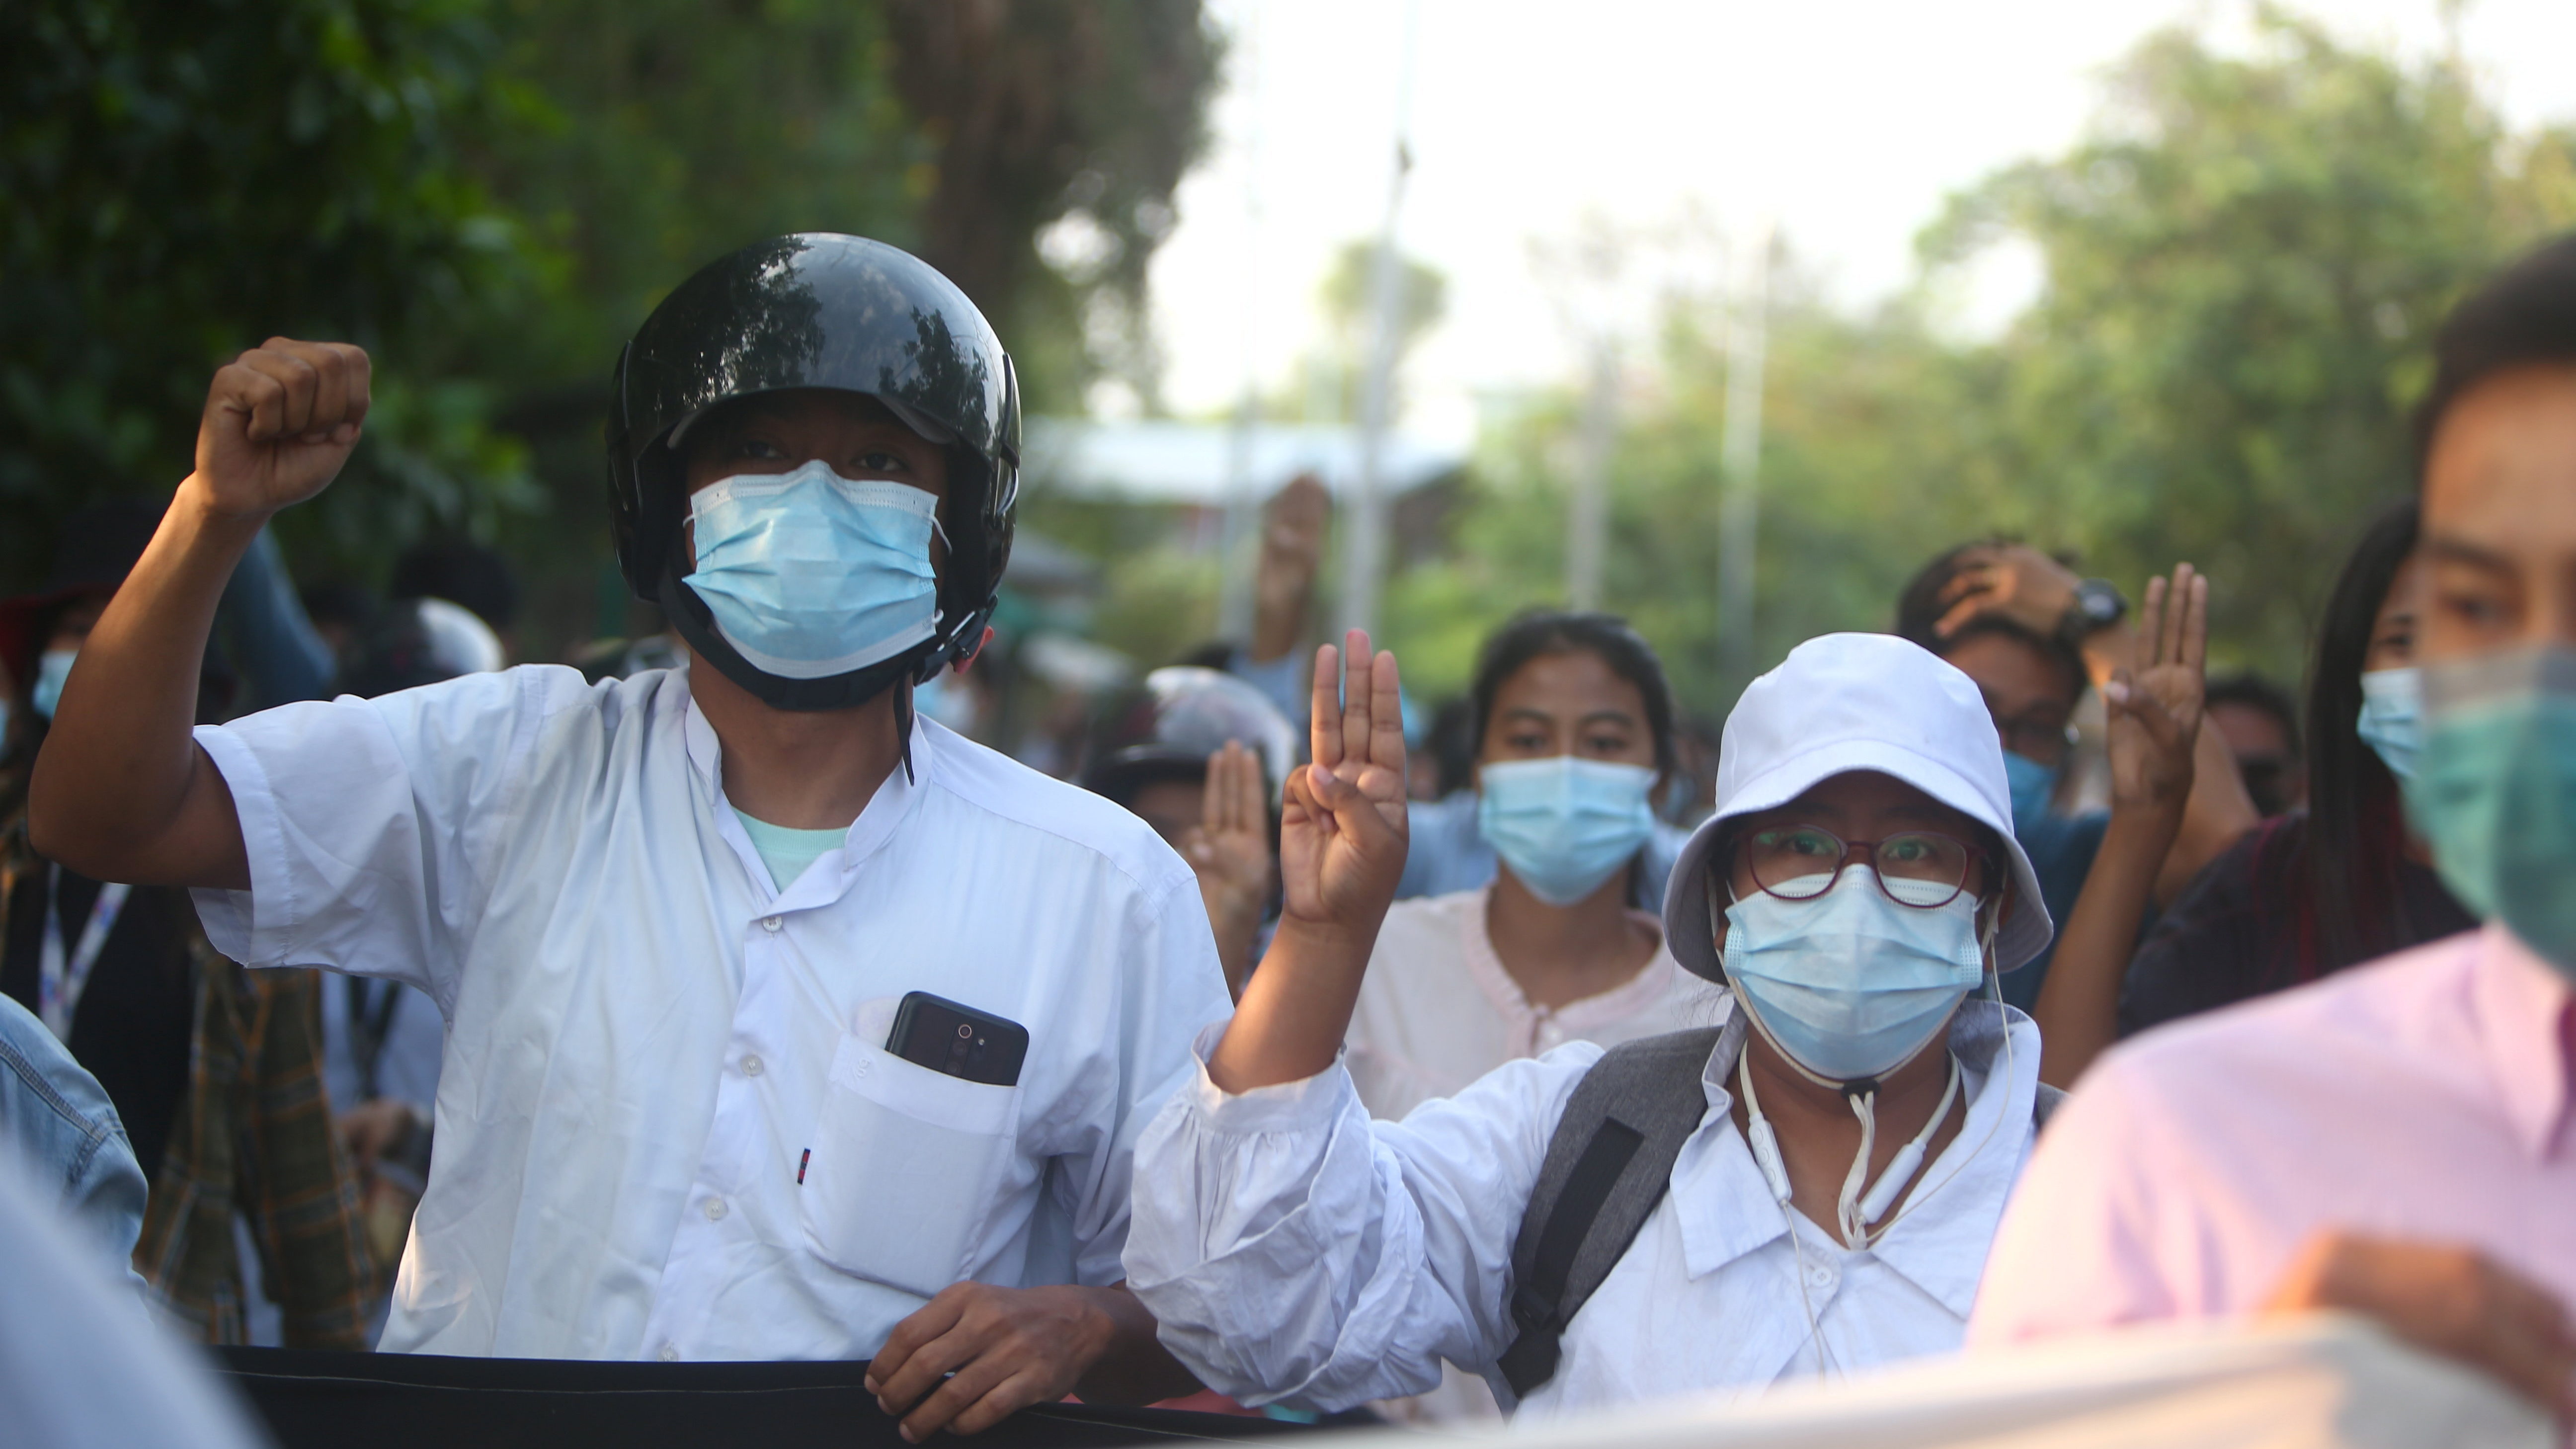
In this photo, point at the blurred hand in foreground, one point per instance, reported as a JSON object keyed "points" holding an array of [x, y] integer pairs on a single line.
{"points": [[2453, 1301]]}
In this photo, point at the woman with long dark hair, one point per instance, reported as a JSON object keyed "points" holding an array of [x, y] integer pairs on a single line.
{"points": [[1573, 725], [2310, 893]]}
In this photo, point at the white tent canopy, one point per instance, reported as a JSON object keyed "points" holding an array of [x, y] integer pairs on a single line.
{"points": [[1162, 461]]}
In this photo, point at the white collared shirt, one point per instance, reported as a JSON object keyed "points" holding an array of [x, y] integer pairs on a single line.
{"points": [[1295, 1251], [667, 1122]]}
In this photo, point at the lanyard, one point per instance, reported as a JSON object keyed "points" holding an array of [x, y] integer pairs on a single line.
{"points": [[60, 982]]}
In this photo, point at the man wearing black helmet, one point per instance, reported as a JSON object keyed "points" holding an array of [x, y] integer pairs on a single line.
{"points": [[672, 919]]}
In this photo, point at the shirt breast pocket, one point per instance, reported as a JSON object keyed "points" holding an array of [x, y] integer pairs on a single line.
{"points": [[904, 1167]]}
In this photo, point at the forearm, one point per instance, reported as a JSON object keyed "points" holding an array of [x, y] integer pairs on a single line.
{"points": [[2218, 813], [1295, 1012], [2107, 651], [2078, 1006], [120, 775], [1134, 1368]]}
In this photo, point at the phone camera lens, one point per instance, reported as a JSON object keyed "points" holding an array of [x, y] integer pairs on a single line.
{"points": [[964, 1032]]}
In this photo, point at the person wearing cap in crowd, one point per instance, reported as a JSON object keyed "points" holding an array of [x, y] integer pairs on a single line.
{"points": [[1819, 1173], [2035, 637], [1200, 755], [2398, 1139], [673, 919], [214, 1071]]}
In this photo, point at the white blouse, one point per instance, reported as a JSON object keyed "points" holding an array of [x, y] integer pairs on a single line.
{"points": [[1438, 1010]]}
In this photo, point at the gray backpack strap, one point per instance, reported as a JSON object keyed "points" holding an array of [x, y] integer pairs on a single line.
{"points": [[2044, 1106], [1607, 1165]]}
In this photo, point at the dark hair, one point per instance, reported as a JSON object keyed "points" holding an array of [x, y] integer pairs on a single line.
{"points": [[2356, 819], [1920, 606], [1452, 741], [2338, 870], [2254, 691], [2522, 315], [462, 573], [1537, 633]]}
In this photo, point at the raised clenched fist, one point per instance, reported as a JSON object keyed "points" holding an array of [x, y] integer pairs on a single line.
{"points": [[280, 420]]}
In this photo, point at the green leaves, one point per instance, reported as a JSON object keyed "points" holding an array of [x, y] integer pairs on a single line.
{"points": [[2244, 264]]}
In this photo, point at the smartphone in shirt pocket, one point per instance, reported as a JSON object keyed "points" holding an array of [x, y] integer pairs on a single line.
{"points": [[920, 1115]]}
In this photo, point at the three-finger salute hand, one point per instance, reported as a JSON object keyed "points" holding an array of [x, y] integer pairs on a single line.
{"points": [[280, 420], [2155, 710], [1342, 830]]}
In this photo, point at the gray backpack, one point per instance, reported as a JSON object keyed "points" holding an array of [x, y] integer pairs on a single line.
{"points": [[1607, 1166]]}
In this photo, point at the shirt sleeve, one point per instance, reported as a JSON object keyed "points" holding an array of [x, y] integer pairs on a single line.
{"points": [[1293, 1250], [369, 826], [2079, 1247]]}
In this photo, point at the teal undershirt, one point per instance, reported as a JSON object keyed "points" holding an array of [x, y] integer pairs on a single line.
{"points": [[787, 852]]}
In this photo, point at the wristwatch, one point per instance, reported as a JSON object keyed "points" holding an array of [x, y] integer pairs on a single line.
{"points": [[2097, 606]]}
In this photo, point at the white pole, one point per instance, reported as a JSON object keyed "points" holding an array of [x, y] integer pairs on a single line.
{"points": [[1238, 547], [1364, 527], [1740, 505], [1587, 522]]}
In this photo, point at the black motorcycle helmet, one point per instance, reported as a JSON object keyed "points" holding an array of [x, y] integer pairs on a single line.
{"points": [[1166, 729], [819, 310]]}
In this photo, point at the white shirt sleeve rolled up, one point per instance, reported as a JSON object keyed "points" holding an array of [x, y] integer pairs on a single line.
{"points": [[1294, 1251], [376, 860]]}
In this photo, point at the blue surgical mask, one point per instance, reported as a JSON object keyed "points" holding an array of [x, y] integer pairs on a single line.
{"points": [[52, 668], [2033, 786], [2494, 792], [2392, 717], [809, 574], [1850, 984], [1563, 825]]}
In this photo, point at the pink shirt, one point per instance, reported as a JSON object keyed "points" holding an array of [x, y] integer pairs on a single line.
{"points": [[2425, 1096]]}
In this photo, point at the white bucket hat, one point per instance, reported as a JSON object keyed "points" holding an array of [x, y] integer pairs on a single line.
{"points": [[1845, 702]]}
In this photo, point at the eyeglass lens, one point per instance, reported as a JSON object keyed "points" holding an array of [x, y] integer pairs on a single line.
{"points": [[1800, 862]]}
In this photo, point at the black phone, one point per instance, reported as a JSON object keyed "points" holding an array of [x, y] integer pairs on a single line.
{"points": [[959, 1040]]}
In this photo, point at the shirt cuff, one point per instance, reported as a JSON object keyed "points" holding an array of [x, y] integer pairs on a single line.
{"points": [[252, 926], [1310, 1104]]}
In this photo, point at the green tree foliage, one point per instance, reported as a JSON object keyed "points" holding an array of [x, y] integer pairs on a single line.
{"points": [[2242, 268], [184, 180], [490, 195]]}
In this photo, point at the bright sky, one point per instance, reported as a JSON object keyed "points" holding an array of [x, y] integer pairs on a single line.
{"points": [[1848, 120]]}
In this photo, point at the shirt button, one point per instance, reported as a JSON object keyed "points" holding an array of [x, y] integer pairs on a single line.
{"points": [[769, 923], [751, 1066], [670, 1353], [1821, 1277], [715, 1209]]}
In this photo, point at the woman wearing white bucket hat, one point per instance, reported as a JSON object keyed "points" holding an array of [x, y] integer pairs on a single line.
{"points": [[1857, 884]]}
